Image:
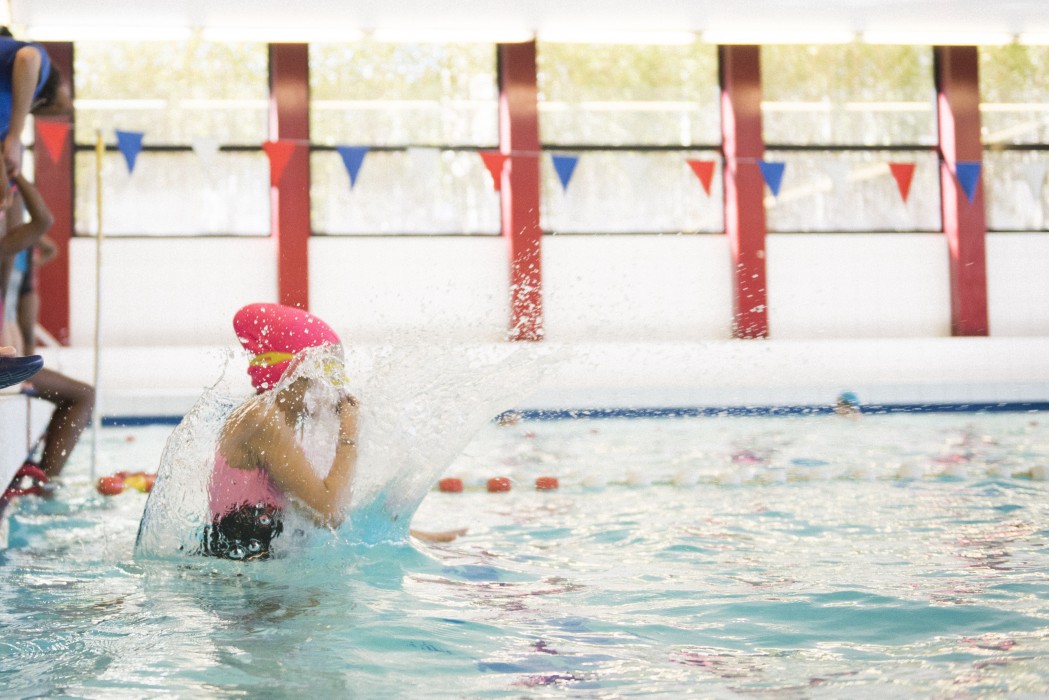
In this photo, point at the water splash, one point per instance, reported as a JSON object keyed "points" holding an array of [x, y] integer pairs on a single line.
{"points": [[420, 406]]}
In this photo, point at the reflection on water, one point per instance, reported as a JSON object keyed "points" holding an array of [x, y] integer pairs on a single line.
{"points": [[853, 582]]}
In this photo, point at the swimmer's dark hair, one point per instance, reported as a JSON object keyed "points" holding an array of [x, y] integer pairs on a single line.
{"points": [[243, 533], [49, 90], [4, 31]]}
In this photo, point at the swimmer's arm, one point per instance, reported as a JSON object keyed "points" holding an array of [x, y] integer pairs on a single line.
{"points": [[24, 77], [292, 472], [30, 232]]}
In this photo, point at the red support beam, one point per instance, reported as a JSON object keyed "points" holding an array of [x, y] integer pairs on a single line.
{"points": [[964, 223], [743, 147], [519, 137], [290, 198], [54, 179]]}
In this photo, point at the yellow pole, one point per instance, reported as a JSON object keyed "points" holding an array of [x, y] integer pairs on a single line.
{"points": [[96, 416]]}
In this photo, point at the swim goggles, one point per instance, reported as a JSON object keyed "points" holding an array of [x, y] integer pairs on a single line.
{"points": [[333, 370]]}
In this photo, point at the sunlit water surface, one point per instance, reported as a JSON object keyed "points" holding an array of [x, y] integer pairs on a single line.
{"points": [[891, 556]]}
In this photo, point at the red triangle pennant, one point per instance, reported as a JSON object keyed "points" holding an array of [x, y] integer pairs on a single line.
{"points": [[494, 161], [904, 173], [280, 153], [54, 134], [704, 170]]}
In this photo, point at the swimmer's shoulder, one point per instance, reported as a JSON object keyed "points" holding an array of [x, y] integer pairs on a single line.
{"points": [[246, 426]]}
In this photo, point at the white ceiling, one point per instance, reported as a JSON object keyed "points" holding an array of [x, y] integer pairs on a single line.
{"points": [[760, 20]]}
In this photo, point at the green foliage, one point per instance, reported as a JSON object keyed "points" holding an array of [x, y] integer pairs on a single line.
{"points": [[169, 73], [847, 73], [374, 71], [1014, 73], [578, 72]]}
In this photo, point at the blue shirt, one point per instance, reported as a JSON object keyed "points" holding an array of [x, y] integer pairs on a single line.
{"points": [[8, 48]]}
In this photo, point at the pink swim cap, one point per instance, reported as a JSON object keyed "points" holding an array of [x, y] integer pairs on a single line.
{"points": [[273, 333]]}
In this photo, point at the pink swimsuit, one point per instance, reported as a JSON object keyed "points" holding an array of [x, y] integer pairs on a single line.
{"points": [[246, 513], [231, 488]]}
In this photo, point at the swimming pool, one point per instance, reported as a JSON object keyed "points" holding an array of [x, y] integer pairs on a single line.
{"points": [[801, 556]]}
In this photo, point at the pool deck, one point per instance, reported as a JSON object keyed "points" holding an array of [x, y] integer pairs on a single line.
{"points": [[139, 384]]}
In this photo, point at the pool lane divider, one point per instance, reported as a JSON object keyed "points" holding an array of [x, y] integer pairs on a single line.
{"points": [[116, 484], [497, 484], [768, 477], [690, 411]]}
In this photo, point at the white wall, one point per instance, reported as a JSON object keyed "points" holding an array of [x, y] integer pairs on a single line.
{"points": [[891, 285], [167, 291], [1018, 283], [411, 289], [634, 288], [175, 291]]}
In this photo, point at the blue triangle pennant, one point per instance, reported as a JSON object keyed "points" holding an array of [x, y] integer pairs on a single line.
{"points": [[565, 166], [352, 158], [773, 173], [129, 143], [968, 174]]}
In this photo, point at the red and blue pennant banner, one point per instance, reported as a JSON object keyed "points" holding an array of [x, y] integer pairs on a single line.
{"points": [[772, 171], [130, 144], [565, 166], [279, 153], [904, 175], [495, 161], [55, 135], [353, 159], [704, 170], [968, 175]]}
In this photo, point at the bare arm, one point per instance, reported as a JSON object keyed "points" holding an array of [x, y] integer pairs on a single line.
{"points": [[28, 233], [274, 444], [24, 77]]}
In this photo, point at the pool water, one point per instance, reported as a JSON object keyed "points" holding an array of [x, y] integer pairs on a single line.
{"points": [[895, 555]]}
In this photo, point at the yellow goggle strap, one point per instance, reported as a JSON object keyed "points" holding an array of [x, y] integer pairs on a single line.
{"points": [[268, 359]]}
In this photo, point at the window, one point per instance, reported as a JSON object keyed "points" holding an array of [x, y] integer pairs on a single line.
{"points": [[634, 115], [837, 115], [1014, 116], [853, 190], [423, 111], [202, 108]]}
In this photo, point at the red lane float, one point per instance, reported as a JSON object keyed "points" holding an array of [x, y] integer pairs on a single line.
{"points": [[498, 484], [110, 485], [450, 485], [546, 483]]}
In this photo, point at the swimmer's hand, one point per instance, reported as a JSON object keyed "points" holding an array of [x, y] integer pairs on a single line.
{"points": [[445, 536], [347, 410]]}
